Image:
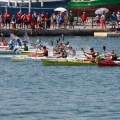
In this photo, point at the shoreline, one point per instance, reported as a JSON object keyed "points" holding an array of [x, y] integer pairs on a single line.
{"points": [[77, 31]]}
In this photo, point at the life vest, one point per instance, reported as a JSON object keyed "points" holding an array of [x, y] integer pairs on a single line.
{"points": [[3, 43], [64, 55], [114, 57]]}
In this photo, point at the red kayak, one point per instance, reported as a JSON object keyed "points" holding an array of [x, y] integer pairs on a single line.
{"points": [[109, 63]]}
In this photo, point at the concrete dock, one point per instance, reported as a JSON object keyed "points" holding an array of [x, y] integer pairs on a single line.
{"points": [[77, 31]]}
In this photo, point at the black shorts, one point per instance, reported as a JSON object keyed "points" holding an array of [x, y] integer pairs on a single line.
{"points": [[71, 20], [83, 21], [7, 21], [54, 20], [19, 21], [32, 28]]}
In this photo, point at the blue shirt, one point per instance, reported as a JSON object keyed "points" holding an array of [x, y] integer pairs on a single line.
{"points": [[19, 43], [113, 17]]}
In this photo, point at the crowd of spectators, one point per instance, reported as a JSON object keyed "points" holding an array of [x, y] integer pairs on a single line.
{"points": [[41, 21]]}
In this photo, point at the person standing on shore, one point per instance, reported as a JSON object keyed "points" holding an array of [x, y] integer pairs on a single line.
{"points": [[19, 18], [54, 19], [105, 17], [118, 19], [7, 19], [113, 19], [71, 20], [59, 20], [84, 18], [13, 22], [102, 20], [97, 20]]}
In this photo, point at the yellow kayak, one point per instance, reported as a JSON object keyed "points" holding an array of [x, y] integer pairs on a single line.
{"points": [[66, 62]]}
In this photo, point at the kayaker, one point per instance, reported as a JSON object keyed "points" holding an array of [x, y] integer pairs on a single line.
{"points": [[62, 53], [98, 58], [45, 52], [71, 51], [3, 42], [11, 45], [112, 55], [39, 43], [25, 47], [18, 45], [92, 54]]}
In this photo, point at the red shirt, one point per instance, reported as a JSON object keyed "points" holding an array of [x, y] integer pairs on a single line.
{"points": [[19, 17], [32, 24], [84, 17], [29, 16], [7, 16]]}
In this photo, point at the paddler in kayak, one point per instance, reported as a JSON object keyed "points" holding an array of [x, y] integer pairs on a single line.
{"points": [[44, 53], [39, 43], [112, 55], [92, 54], [3, 41]]}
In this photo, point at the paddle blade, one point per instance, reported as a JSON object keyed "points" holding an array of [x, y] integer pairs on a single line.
{"points": [[82, 49], [104, 48]]}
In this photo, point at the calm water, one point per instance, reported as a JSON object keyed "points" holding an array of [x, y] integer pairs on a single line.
{"points": [[30, 91]]}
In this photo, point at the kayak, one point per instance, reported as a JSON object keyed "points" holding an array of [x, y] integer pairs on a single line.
{"points": [[26, 58], [66, 62], [10, 56], [109, 63]]}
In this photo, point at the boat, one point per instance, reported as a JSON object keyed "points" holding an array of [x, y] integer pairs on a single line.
{"points": [[89, 6], [109, 63], [66, 62], [25, 58], [13, 6]]}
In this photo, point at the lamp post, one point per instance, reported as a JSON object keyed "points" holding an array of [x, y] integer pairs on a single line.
{"points": [[21, 9], [29, 6], [78, 14], [6, 8], [41, 5]]}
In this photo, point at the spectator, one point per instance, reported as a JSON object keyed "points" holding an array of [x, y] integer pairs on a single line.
{"points": [[84, 18], [105, 17], [65, 20], [54, 18], [7, 19], [32, 27], [25, 20], [43, 18], [13, 22], [102, 20], [97, 21], [71, 20], [113, 19], [59, 20], [48, 20], [29, 19], [19, 18], [118, 19]]}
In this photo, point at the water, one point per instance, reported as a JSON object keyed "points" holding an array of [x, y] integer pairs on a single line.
{"points": [[31, 91]]}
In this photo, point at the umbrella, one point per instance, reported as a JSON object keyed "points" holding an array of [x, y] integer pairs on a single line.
{"points": [[100, 10], [61, 9]]}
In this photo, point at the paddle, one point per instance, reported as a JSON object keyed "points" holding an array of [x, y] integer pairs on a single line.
{"points": [[84, 52], [62, 37], [51, 42], [104, 48]]}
